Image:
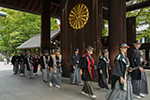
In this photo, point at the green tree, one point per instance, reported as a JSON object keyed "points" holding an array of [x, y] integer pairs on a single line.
{"points": [[142, 18], [18, 27]]}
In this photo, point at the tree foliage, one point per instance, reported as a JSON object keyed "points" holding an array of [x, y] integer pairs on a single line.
{"points": [[142, 19], [105, 28], [18, 27]]}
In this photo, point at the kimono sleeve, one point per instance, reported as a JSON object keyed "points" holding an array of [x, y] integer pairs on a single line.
{"points": [[117, 69], [13, 60], [62, 62], [50, 62], [19, 58], [39, 60], [32, 59], [135, 61], [71, 61], [25, 61], [65, 70], [100, 64], [82, 63]]}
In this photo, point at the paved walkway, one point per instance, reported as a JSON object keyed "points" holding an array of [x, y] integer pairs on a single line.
{"points": [[15, 87]]}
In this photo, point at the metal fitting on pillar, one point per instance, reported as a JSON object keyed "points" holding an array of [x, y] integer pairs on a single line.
{"points": [[83, 45], [70, 46], [95, 45]]}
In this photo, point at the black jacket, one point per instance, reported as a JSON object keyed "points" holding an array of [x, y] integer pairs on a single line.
{"points": [[135, 61], [22, 58], [84, 66], [41, 61], [30, 61], [15, 59], [74, 60]]}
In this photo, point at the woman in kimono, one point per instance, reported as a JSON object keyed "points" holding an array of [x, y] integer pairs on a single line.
{"points": [[120, 90], [29, 65], [87, 65], [35, 64], [103, 67], [75, 76]]}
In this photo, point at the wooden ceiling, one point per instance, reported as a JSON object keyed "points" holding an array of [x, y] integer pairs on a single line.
{"points": [[32, 6]]}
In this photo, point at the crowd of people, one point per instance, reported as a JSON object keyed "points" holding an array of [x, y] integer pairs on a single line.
{"points": [[128, 75]]}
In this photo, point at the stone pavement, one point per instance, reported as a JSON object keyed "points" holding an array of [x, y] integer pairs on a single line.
{"points": [[15, 87]]}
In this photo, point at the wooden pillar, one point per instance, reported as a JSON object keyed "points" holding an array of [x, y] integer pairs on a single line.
{"points": [[147, 54], [34, 50], [117, 27], [131, 32], [45, 25]]}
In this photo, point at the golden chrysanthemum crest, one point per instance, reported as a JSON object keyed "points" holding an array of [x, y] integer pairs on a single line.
{"points": [[78, 16]]}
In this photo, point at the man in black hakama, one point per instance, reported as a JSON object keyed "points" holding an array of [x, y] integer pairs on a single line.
{"points": [[46, 62], [57, 68], [21, 61], [135, 62], [103, 70], [75, 76], [29, 65], [15, 62]]}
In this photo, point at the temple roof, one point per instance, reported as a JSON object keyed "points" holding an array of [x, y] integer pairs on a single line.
{"points": [[35, 40]]}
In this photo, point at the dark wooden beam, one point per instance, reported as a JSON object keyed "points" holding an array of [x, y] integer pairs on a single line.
{"points": [[51, 7], [0, 1], [54, 12], [145, 46], [34, 5], [24, 10], [14, 3], [18, 3], [3, 1], [55, 4], [138, 5], [8, 2], [22, 3], [105, 13], [29, 3], [56, 1], [39, 7]]}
